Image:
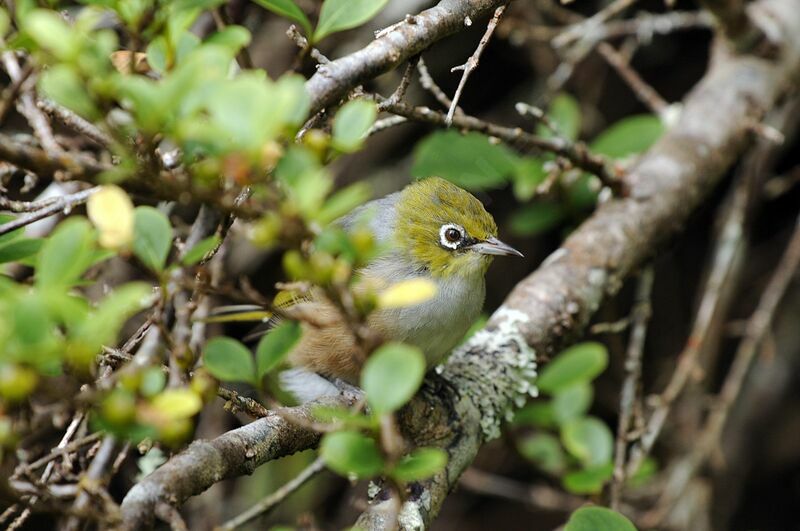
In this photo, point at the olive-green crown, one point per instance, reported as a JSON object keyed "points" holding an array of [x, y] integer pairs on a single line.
{"points": [[424, 207]]}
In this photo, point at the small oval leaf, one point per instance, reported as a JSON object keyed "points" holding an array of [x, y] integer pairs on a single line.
{"points": [[152, 237], [598, 518], [350, 453], [352, 123], [422, 463], [589, 440], [229, 360], [392, 375], [339, 15], [580, 363], [274, 346]]}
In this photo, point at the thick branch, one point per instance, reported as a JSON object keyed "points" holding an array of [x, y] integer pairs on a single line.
{"points": [[549, 308], [393, 47], [232, 454]]}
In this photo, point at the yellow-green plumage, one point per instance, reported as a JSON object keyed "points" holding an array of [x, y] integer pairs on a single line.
{"points": [[432, 229], [424, 207]]}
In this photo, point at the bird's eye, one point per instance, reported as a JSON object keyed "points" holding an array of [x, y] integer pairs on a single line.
{"points": [[451, 235]]}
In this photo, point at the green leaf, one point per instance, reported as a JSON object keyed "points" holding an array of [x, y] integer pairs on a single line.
{"points": [[66, 254], [572, 402], [580, 363], [288, 9], [343, 201], [351, 454], [420, 464], [537, 413], [229, 360], [19, 249], [51, 32], [589, 480], [274, 346], [629, 136], [233, 37], [351, 124], [159, 55], [203, 247], [339, 15], [589, 440], [470, 161], [63, 85], [536, 218], [565, 113], [152, 237], [115, 309], [544, 450], [598, 519], [392, 375]]}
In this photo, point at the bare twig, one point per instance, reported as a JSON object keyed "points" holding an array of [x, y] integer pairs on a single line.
{"points": [[640, 87], [93, 477], [757, 327], [540, 496], [392, 48], [720, 284], [60, 204], [472, 62], [405, 81], [576, 152], [11, 92], [26, 104], [75, 122], [590, 26], [270, 502], [427, 82], [633, 369]]}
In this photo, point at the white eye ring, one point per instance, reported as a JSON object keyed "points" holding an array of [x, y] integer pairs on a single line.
{"points": [[443, 235]]}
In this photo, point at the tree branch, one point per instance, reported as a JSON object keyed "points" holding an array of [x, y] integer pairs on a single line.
{"points": [[392, 48], [552, 306], [492, 373], [232, 454]]}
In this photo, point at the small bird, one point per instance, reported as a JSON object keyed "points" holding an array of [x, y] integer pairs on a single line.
{"points": [[433, 230]]}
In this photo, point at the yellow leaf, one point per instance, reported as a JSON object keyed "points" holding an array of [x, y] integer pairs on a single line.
{"points": [[407, 293], [177, 403], [111, 211]]}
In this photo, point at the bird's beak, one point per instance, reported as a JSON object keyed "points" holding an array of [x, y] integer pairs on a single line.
{"points": [[492, 245]]}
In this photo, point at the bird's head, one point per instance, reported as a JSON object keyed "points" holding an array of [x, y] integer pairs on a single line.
{"points": [[446, 229]]}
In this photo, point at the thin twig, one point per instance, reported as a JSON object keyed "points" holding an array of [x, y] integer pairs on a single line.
{"points": [[400, 92], [75, 122], [576, 152], [540, 496], [757, 328], [297, 37], [646, 93], [62, 444], [61, 204], [472, 62], [26, 104], [11, 92], [633, 369], [589, 26], [92, 478], [427, 82], [386, 123], [270, 502]]}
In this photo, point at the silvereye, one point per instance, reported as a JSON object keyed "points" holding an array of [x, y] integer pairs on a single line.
{"points": [[431, 229]]}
